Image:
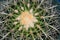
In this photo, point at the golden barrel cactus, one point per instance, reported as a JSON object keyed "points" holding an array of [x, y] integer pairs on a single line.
{"points": [[30, 20]]}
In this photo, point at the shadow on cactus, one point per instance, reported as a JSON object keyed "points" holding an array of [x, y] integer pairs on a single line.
{"points": [[30, 20]]}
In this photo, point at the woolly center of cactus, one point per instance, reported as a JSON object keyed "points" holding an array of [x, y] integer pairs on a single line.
{"points": [[27, 19]]}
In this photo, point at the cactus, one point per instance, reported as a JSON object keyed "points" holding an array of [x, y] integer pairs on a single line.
{"points": [[30, 20]]}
